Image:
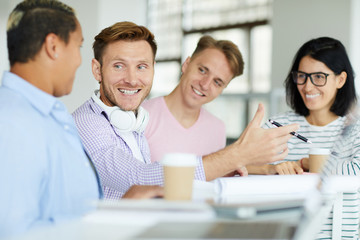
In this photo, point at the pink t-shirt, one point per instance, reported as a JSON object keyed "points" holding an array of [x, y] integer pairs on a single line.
{"points": [[166, 135]]}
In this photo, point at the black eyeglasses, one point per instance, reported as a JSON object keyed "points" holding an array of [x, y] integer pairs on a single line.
{"points": [[317, 78]]}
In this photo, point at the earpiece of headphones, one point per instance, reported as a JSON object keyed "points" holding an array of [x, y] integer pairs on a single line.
{"points": [[124, 121]]}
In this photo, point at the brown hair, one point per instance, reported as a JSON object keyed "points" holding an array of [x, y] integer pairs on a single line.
{"points": [[126, 31], [230, 50]]}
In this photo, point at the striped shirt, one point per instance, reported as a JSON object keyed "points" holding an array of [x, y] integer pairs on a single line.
{"points": [[117, 167], [321, 137], [347, 163]]}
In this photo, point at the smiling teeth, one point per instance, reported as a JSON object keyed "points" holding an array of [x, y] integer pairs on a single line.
{"points": [[312, 95], [198, 93], [129, 92]]}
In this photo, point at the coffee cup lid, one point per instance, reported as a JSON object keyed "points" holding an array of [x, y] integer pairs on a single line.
{"points": [[179, 160], [319, 151]]}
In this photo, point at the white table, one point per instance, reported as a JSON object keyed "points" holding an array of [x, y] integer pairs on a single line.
{"points": [[128, 218]]}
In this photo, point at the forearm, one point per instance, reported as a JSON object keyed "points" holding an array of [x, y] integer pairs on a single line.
{"points": [[220, 163], [119, 170]]}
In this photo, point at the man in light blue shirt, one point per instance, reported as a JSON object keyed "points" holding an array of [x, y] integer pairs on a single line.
{"points": [[45, 175]]}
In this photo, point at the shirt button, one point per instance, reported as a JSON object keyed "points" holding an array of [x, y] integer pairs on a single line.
{"points": [[66, 127]]}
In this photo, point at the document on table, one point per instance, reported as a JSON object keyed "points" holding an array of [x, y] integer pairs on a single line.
{"points": [[254, 185], [149, 211]]}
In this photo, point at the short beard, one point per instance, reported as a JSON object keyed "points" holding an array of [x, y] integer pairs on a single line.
{"points": [[112, 101], [102, 85]]}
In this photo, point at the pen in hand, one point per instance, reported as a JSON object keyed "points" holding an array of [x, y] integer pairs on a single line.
{"points": [[292, 133]]}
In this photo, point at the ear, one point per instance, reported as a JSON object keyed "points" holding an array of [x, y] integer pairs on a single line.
{"points": [[341, 80], [51, 45], [96, 69], [185, 64]]}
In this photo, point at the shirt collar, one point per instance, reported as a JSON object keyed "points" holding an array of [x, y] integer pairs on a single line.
{"points": [[95, 107], [39, 99]]}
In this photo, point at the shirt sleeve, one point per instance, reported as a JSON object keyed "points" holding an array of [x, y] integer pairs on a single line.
{"points": [[345, 160], [116, 166]]}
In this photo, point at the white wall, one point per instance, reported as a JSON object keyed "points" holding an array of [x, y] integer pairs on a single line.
{"points": [[295, 22], [112, 11], [88, 15]]}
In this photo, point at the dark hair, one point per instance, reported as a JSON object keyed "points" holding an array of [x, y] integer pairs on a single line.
{"points": [[332, 53], [31, 21], [126, 31], [230, 50]]}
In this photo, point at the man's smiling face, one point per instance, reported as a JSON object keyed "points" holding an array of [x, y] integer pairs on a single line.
{"points": [[126, 74], [204, 77]]}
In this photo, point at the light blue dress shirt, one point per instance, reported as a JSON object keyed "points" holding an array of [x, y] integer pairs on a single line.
{"points": [[45, 176]]}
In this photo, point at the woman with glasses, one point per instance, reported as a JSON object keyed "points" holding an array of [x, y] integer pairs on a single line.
{"points": [[320, 90]]}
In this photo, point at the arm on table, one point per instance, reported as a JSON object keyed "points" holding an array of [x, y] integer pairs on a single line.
{"points": [[144, 191]]}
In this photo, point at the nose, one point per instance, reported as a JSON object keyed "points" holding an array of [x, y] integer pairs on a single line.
{"points": [[205, 83], [130, 77], [308, 84]]}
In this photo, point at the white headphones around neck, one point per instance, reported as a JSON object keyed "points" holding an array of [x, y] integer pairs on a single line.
{"points": [[124, 121]]}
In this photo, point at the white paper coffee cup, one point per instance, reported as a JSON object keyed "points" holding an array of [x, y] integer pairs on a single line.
{"points": [[179, 172], [317, 159]]}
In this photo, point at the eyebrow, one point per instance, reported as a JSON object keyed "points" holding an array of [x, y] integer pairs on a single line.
{"points": [[311, 72], [217, 78], [207, 69], [142, 60]]}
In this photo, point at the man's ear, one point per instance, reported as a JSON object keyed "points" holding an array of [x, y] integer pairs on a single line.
{"points": [[96, 69], [185, 64], [51, 45], [341, 79]]}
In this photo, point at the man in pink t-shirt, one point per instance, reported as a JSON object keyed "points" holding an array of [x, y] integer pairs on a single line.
{"points": [[166, 135], [178, 123]]}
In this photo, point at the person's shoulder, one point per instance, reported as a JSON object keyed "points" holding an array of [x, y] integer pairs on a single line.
{"points": [[20, 120], [88, 113], [209, 117], [18, 110], [152, 103], [341, 120], [89, 109], [82, 109]]}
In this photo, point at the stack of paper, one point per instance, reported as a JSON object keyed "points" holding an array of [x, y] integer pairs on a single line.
{"points": [[266, 185], [149, 211]]}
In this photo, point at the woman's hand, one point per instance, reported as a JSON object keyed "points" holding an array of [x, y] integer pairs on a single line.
{"points": [[304, 164], [242, 171], [288, 167]]}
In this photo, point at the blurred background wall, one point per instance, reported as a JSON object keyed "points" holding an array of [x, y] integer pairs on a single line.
{"points": [[268, 33]]}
